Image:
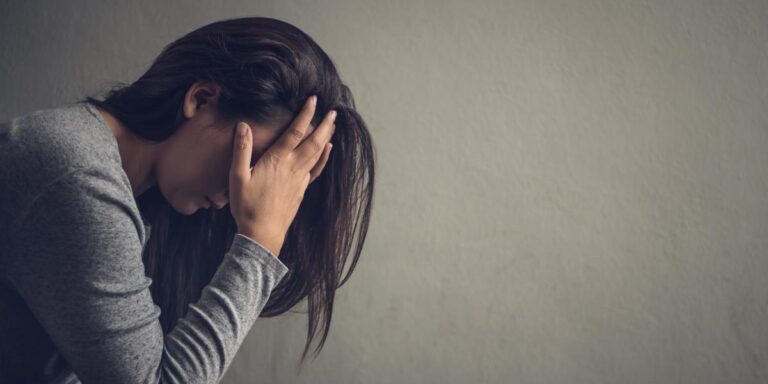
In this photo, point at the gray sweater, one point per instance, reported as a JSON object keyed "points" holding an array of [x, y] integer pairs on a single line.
{"points": [[75, 303]]}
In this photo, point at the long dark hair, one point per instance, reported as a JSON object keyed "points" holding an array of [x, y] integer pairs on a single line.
{"points": [[263, 66]]}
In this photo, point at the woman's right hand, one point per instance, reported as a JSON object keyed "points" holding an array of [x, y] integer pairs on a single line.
{"points": [[264, 200]]}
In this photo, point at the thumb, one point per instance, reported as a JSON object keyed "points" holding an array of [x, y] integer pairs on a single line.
{"points": [[241, 154]]}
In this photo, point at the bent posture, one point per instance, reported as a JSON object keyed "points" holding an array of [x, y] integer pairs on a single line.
{"points": [[143, 234]]}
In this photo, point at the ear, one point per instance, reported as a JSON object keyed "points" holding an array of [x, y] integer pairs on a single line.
{"points": [[201, 94]]}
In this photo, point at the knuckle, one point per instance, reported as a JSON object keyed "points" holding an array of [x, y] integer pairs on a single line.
{"points": [[316, 146], [296, 133]]}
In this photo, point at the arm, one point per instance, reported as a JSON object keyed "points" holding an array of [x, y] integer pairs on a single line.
{"points": [[78, 265]]}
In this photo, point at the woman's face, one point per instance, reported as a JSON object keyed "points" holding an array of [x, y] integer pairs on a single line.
{"points": [[193, 169]]}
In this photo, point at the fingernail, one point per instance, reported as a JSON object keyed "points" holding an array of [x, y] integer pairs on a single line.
{"points": [[242, 130], [333, 116], [313, 100]]}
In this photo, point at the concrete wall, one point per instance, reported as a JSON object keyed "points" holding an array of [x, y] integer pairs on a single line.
{"points": [[569, 191]]}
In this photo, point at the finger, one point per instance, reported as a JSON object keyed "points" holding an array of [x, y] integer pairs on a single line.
{"points": [[311, 148], [297, 130], [241, 154], [318, 168]]}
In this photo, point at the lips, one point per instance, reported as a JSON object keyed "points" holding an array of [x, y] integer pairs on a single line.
{"points": [[211, 203]]}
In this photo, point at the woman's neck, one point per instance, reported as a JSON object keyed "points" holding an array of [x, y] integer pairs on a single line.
{"points": [[138, 156]]}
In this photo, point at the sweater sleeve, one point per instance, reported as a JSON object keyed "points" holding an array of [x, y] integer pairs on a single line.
{"points": [[78, 266]]}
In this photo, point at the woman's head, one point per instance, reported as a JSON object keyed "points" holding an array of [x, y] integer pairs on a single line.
{"points": [[192, 165], [261, 71]]}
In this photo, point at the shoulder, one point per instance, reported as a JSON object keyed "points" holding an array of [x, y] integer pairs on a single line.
{"points": [[62, 138], [50, 144]]}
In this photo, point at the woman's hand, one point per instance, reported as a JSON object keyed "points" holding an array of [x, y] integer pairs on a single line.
{"points": [[264, 200]]}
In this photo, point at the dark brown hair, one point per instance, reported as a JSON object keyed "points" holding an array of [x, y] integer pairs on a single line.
{"points": [[263, 66]]}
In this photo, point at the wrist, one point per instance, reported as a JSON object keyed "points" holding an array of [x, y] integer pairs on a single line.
{"points": [[270, 242]]}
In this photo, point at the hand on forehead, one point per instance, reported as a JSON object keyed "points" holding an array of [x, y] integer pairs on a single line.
{"points": [[310, 128]]}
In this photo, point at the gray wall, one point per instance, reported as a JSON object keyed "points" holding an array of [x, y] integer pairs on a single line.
{"points": [[569, 191]]}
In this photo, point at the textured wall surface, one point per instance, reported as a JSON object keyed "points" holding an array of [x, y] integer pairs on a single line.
{"points": [[569, 191]]}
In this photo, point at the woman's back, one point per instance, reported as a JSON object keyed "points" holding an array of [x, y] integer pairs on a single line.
{"points": [[39, 150]]}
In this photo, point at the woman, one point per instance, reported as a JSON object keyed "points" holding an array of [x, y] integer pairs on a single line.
{"points": [[141, 236]]}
